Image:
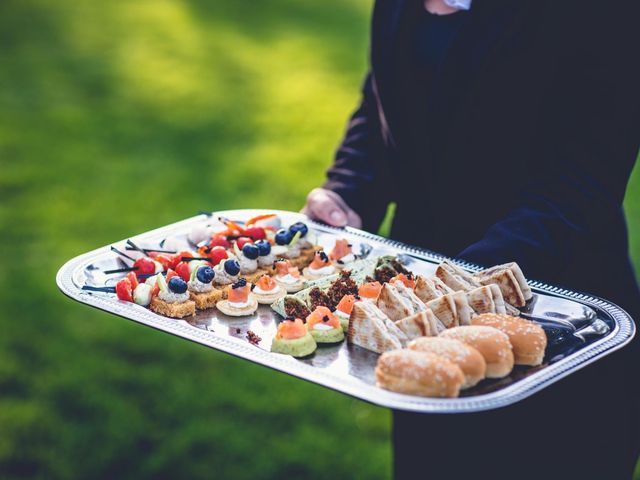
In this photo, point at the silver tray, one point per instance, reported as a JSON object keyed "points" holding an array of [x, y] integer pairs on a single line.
{"points": [[349, 369]]}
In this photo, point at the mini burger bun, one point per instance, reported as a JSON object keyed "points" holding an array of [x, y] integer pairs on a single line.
{"points": [[492, 344], [527, 338], [418, 373], [470, 361]]}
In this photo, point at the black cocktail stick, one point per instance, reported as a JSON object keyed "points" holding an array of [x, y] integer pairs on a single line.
{"points": [[99, 289], [135, 247], [147, 250], [114, 249], [144, 276], [190, 259], [120, 270]]}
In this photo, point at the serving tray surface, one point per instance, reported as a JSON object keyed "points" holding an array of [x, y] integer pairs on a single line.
{"points": [[348, 368]]}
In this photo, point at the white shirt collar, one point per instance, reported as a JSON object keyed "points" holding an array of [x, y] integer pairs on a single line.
{"points": [[459, 4]]}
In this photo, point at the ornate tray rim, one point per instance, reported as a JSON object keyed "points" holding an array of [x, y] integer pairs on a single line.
{"points": [[621, 335]]}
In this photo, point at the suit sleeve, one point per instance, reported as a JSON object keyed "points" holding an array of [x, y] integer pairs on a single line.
{"points": [[356, 173], [588, 145]]}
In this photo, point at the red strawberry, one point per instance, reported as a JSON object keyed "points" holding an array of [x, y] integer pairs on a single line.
{"points": [[145, 266], [124, 290], [217, 254], [182, 269], [256, 233], [219, 241], [165, 259], [242, 241], [171, 274], [133, 279]]}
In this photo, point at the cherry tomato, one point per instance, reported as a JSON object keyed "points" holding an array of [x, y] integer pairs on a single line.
{"points": [[219, 241], [133, 279], [145, 266], [242, 241], [176, 258], [182, 269], [256, 233], [217, 254], [124, 290], [171, 274], [165, 259]]}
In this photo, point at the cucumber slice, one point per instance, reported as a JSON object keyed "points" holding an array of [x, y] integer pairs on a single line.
{"points": [[142, 294], [295, 239], [162, 284]]}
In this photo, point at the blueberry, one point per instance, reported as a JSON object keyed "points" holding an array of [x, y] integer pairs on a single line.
{"points": [[240, 283], [264, 247], [232, 267], [299, 227], [205, 274], [177, 285], [283, 237], [251, 251]]}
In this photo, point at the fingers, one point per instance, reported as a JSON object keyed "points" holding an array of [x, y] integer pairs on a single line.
{"points": [[322, 206], [353, 219]]}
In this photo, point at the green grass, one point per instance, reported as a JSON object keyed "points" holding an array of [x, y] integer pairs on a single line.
{"points": [[118, 117]]}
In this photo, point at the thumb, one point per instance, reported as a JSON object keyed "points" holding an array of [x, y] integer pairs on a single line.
{"points": [[324, 208], [337, 217]]}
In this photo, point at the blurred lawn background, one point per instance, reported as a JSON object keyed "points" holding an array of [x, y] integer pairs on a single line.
{"points": [[117, 117]]}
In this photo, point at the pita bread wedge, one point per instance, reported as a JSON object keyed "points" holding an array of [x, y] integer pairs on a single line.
{"points": [[396, 332], [409, 295], [463, 309], [435, 325], [444, 308], [430, 288], [441, 287], [368, 329], [509, 286], [392, 304], [426, 289], [455, 277], [498, 299], [417, 325], [481, 299], [511, 310], [518, 277]]}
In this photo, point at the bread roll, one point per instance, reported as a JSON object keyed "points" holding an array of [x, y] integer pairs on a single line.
{"points": [[527, 338], [470, 361], [492, 344], [418, 373]]}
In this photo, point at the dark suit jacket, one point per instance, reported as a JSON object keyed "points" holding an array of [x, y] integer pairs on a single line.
{"points": [[537, 128]]}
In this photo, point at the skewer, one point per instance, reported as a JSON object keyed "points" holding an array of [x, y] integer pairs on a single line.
{"points": [[135, 247], [156, 250], [144, 276], [99, 289], [190, 259], [120, 270], [114, 249]]}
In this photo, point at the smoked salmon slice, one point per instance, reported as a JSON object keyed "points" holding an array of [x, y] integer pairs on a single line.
{"points": [[291, 329], [370, 290], [322, 315]]}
